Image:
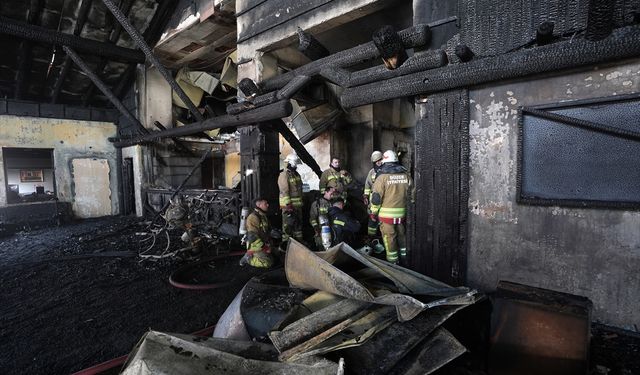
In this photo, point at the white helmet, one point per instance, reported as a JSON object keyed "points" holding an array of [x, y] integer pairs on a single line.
{"points": [[376, 156], [389, 156], [293, 160]]}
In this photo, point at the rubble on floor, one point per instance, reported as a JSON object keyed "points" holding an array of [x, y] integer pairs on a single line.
{"points": [[337, 311]]}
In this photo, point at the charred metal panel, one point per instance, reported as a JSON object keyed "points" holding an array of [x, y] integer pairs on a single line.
{"points": [[439, 220], [553, 156]]}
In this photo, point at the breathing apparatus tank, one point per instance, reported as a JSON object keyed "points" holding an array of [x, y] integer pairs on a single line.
{"points": [[242, 230]]}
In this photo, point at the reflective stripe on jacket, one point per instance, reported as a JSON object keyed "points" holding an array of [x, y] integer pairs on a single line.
{"points": [[290, 186]]}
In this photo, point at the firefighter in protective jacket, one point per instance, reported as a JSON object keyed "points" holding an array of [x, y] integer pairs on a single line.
{"points": [[337, 178], [290, 186], [319, 214], [389, 197], [258, 236], [376, 159]]}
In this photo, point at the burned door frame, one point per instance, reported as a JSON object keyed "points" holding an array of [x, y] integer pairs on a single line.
{"points": [[438, 219], [128, 187]]}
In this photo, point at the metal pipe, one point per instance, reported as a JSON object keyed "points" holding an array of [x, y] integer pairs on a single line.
{"points": [[23, 30], [139, 40], [105, 90], [624, 43], [270, 112], [415, 36], [584, 124]]}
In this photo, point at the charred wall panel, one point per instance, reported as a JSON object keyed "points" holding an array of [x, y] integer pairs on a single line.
{"points": [[492, 27], [439, 222]]}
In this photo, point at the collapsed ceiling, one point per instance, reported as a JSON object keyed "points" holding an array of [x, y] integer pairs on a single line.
{"points": [[39, 71]]}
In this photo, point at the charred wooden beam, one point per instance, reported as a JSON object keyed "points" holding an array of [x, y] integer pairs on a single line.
{"points": [[175, 140], [464, 53], [39, 34], [624, 43], [310, 46], [24, 59], [249, 88], [416, 63], [415, 36], [105, 90], [390, 47], [284, 93], [66, 65], [262, 114], [142, 44], [297, 146]]}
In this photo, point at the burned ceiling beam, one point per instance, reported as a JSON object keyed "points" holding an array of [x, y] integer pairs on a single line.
{"points": [[623, 43], [105, 90], [142, 44], [267, 113], [39, 34], [310, 46], [415, 36], [285, 93], [600, 19], [419, 62], [151, 36], [175, 140], [24, 54], [113, 36], [66, 65], [544, 33]]}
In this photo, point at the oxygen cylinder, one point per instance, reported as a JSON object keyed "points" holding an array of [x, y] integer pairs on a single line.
{"points": [[242, 230], [325, 234]]}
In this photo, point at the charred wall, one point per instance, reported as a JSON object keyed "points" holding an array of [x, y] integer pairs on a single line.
{"points": [[590, 251], [70, 140]]}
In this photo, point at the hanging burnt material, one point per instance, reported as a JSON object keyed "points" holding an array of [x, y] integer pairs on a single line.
{"points": [[249, 88], [390, 46], [544, 33], [310, 46], [464, 53], [600, 19]]}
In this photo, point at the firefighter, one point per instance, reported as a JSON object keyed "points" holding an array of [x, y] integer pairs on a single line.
{"points": [[319, 214], [389, 195], [376, 159], [258, 237], [343, 226], [336, 177], [290, 186]]}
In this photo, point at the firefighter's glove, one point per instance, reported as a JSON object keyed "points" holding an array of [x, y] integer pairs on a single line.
{"points": [[373, 217]]}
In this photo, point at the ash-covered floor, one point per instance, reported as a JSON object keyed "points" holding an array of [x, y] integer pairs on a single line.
{"points": [[66, 306]]}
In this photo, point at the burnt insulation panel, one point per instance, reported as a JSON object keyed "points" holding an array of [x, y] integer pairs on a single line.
{"points": [[568, 165], [491, 27]]}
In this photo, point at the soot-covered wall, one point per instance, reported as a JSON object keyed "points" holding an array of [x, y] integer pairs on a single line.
{"points": [[594, 252]]}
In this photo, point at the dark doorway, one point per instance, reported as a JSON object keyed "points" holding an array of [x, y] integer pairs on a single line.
{"points": [[439, 218], [218, 170], [128, 186], [29, 174], [207, 173]]}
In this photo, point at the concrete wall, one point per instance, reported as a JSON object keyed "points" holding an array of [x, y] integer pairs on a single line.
{"points": [[590, 252], [69, 139]]}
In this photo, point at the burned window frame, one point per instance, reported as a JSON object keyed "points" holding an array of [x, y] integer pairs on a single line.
{"points": [[522, 198]]}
